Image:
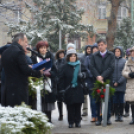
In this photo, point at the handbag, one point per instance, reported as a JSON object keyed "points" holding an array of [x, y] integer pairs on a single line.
{"points": [[47, 84]]}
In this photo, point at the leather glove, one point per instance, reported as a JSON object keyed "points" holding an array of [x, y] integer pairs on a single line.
{"points": [[81, 75], [131, 75]]}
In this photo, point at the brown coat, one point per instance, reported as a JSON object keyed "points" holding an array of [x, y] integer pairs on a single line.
{"points": [[129, 67]]}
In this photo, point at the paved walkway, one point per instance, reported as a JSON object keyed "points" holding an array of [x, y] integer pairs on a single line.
{"points": [[61, 127]]}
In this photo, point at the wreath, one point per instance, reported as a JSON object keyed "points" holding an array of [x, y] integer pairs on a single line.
{"points": [[99, 90]]}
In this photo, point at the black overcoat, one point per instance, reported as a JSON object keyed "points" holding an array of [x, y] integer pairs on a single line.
{"points": [[16, 75], [49, 97], [102, 66], [72, 95]]}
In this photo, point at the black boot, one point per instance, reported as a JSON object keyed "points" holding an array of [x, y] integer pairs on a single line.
{"points": [[78, 125], [132, 108], [60, 109], [48, 113], [116, 108], [98, 122], [132, 122], [121, 107]]}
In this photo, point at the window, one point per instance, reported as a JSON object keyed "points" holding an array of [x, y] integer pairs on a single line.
{"points": [[102, 12], [122, 12]]}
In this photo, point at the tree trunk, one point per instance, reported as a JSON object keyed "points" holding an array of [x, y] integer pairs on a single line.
{"points": [[112, 23]]}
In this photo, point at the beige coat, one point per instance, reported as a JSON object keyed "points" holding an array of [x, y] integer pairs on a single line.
{"points": [[129, 67]]}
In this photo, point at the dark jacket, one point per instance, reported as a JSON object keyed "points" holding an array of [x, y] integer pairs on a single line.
{"points": [[85, 55], [117, 75], [85, 60], [72, 95], [29, 60], [50, 97], [16, 74], [59, 64], [102, 66], [90, 79]]}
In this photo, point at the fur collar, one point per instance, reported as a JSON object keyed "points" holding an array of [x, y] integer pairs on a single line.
{"points": [[130, 62]]}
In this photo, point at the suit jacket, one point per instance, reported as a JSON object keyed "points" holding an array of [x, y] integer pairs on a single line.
{"points": [[102, 66]]}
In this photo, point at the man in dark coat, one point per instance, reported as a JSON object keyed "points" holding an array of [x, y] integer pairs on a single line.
{"points": [[17, 72], [102, 67]]}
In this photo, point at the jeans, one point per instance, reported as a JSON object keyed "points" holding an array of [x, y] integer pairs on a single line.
{"points": [[98, 107], [118, 97], [92, 105]]}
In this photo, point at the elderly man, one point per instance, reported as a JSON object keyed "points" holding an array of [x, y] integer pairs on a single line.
{"points": [[17, 71]]}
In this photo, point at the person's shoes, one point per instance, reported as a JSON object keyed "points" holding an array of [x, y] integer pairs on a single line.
{"points": [[117, 118], [126, 115], [98, 123], [70, 126], [109, 122], [84, 114], [132, 122], [78, 125], [60, 118], [120, 118], [93, 119]]}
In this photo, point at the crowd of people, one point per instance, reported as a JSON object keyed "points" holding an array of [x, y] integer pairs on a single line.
{"points": [[69, 74]]}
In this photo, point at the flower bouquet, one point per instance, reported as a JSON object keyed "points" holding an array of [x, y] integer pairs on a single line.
{"points": [[23, 120], [99, 91], [35, 83]]}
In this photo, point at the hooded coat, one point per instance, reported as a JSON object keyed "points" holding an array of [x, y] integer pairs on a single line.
{"points": [[129, 67], [117, 75], [85, 55], [85, 60]]}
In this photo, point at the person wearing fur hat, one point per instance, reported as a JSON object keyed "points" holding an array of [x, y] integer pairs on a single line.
{"points": [[70, 82], [71, 46], [49, 99], [128, 72], [60, 61]]}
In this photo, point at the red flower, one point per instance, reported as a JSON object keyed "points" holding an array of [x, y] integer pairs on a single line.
{"points": [[98, 91], [102, 96], [104, 90]]}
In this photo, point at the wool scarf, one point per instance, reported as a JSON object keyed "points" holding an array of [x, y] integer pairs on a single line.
{"points": [[76, 72]]}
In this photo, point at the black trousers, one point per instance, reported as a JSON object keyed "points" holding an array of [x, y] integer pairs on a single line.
{"points": [[74, 113], [132, 108], [127, 107]]}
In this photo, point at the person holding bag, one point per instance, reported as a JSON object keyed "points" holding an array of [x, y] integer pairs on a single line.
{"points": [[70, 81], [128, 72], [49, 99]]}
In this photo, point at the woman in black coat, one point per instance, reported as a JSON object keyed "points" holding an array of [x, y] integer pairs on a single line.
{"points": [[48, 100], [60, 61], [119, 83], [70, 81]]}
